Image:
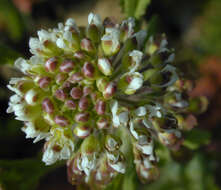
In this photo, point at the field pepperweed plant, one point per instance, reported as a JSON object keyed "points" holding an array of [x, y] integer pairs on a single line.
{"points": [[99, 93]]}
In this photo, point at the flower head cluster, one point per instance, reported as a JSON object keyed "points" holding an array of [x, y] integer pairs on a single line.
{"points": [[87, 88]]}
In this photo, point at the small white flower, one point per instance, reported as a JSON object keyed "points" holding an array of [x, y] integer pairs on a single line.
{"points": [[114, 109], [35, 45], [60, 43], [136, 56], [135, 83], [124, 117], [113, 35], [140, 37], [130, 22], [94, 19], [31, 132], [57, 138], [30, 97], [44, 35], [119, 167], [118, 118], [88, 163], [105, 66], [22, 65], [132, 130], [141, 111]]}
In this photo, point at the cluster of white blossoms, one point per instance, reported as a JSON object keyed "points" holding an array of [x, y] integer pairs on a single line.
{"points": [[87, 88]]}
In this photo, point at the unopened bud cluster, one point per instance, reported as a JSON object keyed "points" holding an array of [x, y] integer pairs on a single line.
{"points": [[85, 84]]}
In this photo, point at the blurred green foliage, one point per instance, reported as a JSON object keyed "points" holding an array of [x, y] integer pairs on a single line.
{"points": [[22, 174], [7, 56], [12, 19], [134, 8], [210, 29]]}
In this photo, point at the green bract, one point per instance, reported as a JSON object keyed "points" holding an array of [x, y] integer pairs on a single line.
{"points": [[85, 88]]}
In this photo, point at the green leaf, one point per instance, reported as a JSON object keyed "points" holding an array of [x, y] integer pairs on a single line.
{"points": [[196, 138], [11, 17], [22, 174], [7, 55], [141, 8], [134, 8]]}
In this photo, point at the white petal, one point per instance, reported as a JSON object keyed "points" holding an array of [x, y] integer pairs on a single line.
{"points": [[123, 117], [146, 149], [136, 58], [119, 167], [68, 36], [141, 111], [94, 19], [113, 35], [60, 43], [44, 35], [22, 65], [105, 66], [34, 45], [132, 130], [140, 37], [30, 97]]}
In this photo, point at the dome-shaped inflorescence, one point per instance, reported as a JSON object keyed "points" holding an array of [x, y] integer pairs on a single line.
{"points": [[97, 93]]}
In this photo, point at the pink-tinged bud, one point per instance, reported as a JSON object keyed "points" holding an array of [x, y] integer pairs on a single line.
{"points": [[67, 66], [102, 123], [87, 90], [100, 107], [66, 84], [79, 55], [83, 104], [70, 104], [51, 64], [88, 69], [76, 93], [60, 94], [44, 82], [60, 78], [47, 106], [82, 131], [82, 117], [76, 77], [94, 97], [74, 174], [61, 120], [110, 90], [86, 45]]}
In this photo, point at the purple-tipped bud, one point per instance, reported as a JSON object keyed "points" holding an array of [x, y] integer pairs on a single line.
{"points": [[82, 131], [70, 104], [76, 93], [110, 90], [44, 82], [102, 123], [94, 97], [61, 120], [82, 117], [87, 90], [76, 77], [48, 106], [51, 64], [88, 69], [86, 45], [60, 94], [67, 66], [83, 104], [100, 107], [60, 78], [79, 55]]}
